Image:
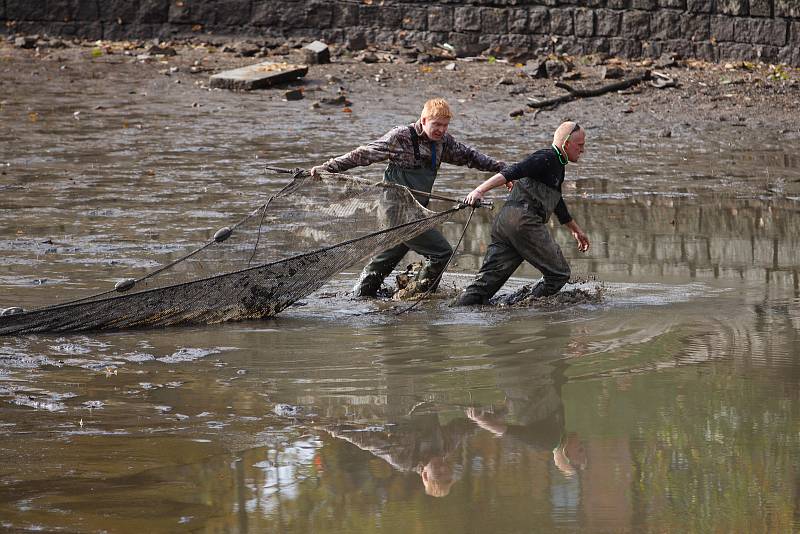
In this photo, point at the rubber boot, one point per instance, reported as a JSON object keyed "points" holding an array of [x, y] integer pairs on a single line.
{"points": [[545, 289], [430, 275], [469, 299], [368, 284]]}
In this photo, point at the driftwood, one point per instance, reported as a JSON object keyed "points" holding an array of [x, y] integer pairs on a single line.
{"points": [[586, 93]]}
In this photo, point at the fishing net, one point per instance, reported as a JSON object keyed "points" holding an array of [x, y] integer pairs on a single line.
{"points": [[252, 270]]}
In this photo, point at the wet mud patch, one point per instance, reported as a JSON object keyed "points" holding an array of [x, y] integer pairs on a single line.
{"points": [[523, 298]]}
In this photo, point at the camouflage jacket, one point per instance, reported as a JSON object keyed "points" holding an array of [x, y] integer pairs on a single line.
{"points": [[397, 147]]}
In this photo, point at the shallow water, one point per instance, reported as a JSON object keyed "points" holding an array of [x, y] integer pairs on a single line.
{"points": [[676, 397]]}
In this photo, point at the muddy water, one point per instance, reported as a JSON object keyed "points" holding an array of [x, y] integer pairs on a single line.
{"points": [[670, 406]]}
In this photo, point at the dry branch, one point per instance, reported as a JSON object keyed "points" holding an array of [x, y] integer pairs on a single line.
{"points": [[574, 93]]}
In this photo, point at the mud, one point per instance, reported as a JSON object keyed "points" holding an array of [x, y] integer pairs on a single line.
{"points": [[675, 392], [522, 298], [736, 94]]}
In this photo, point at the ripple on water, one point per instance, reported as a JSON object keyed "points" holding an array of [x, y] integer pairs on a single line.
{"points": [[93, 365], [185, 354], [38, 404], [26, 361], [51, 402], [70, 348], [138, 357]]}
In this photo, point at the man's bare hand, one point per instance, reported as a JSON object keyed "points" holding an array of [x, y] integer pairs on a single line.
{"points": [[315, 171], [579, 235], [474, 198], [582, 239], [487, 421], [509, 186]]}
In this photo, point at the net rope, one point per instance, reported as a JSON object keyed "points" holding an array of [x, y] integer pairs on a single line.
{"points": [[276, 255]]}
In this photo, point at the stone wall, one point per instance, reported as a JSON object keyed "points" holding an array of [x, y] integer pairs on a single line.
{"points": [[716, 30]]}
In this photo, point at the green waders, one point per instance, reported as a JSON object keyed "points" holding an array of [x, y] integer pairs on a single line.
{"points": [[520, 233], [430, 244]]}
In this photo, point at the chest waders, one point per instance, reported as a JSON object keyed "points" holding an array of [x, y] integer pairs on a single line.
{"points": [[520, 233], [430, 244]]}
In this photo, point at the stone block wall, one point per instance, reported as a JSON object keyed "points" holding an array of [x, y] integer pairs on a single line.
{"points": [[715, 30]]}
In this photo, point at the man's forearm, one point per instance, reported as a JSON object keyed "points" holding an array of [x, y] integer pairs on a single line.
{"points": [[495, 181]]}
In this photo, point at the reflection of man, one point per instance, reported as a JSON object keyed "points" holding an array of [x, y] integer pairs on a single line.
{"points": [[533, 414], [417, 443], [570, 455]]}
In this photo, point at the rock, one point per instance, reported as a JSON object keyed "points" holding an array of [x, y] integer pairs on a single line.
{"points": [[25, 42], [450, 66], [369, 57], [611, 73], [555, 68], [517, 113], [511, 53], [281, 50], [666, 61], [356, 43], [317, 53], [469, 49], [340, 100], [408, 53], [52, 43], [156, 50], [293, 94], [505, 81], [596, 59], [666, 132], [245, 49], [535, 68], [257, 76], [11, 311]]}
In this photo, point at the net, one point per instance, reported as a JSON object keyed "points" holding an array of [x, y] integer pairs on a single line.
{"points": [[253, 270]]}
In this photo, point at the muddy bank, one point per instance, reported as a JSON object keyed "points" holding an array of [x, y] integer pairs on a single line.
{"points": [[734, 94]]}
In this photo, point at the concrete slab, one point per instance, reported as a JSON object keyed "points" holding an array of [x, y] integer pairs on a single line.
{"points": [[258, 76]]}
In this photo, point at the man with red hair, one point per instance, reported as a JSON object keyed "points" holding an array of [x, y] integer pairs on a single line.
{"points": [[415, 153]]}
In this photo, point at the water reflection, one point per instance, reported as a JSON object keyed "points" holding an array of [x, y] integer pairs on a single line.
{"points": [[573, 419], [729, 241]]}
